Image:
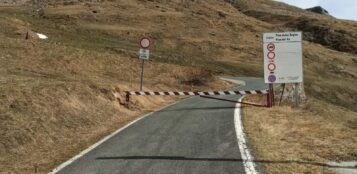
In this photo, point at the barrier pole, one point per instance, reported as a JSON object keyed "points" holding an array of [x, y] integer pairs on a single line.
{"points": [[127, 100]]}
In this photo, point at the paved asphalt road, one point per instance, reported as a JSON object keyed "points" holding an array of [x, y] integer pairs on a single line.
{"points": [[196, 135]]}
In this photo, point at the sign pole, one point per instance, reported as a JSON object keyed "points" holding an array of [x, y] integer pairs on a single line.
{"points": [[271, 91], [142, 75], [144, 53], [296, 94], [282, 93]]}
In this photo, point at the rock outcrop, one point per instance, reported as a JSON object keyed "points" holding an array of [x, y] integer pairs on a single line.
{"points": [[319, 10]]}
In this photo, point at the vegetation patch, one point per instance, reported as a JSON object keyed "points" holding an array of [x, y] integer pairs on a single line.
{"points": [[301, 140]]}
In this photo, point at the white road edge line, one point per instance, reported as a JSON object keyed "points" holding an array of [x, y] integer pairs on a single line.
{"points": [[65, 164], [247, 158]]}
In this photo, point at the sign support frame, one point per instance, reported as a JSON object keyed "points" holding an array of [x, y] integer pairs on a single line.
{"points": [[296, 94], [144, 48], [270, 44], [142, 75], [282, 93]]}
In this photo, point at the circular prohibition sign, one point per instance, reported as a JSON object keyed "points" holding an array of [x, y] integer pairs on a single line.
{"points": [[271, 47], [271, 67], [271, 55], [145, 42]]}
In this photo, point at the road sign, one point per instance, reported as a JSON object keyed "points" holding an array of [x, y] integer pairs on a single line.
{"points": [[271, 47], [272, 78], [271, 55], [144, 54], [283, 57], [271, 67], [145, 42]]}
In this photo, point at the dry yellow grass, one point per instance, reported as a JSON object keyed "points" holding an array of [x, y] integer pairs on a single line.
{"points": [[301, 140], [57, 99], [57, 106]]}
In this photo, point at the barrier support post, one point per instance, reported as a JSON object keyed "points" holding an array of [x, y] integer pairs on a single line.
{"points": [[127, 100]]}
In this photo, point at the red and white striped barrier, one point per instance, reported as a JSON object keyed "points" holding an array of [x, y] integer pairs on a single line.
{"points": [[212, 93], [204, 95]]}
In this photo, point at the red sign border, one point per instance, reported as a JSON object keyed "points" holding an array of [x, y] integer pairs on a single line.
{"points": [[271, 57], [273, 65], [143, 38], [271, 50]]}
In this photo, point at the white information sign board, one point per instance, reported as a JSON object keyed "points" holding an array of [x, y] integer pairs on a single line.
{"points": [[144, 54], [283, 57]]}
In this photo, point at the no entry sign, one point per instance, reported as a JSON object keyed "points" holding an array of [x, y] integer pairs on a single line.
{"points": [[283, 57]]}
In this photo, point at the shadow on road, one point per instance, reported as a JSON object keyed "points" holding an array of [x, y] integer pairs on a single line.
{"points": [[199, 108], [181, 158]]}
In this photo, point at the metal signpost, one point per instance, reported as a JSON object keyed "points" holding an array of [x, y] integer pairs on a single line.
{"points": [[283, 59], [144, 54]]}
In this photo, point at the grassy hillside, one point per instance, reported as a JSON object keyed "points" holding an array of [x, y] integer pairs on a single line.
{"points": [[57, 95]]}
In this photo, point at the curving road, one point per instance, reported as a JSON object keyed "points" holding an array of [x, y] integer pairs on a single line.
{"points": [[194, 136]]}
